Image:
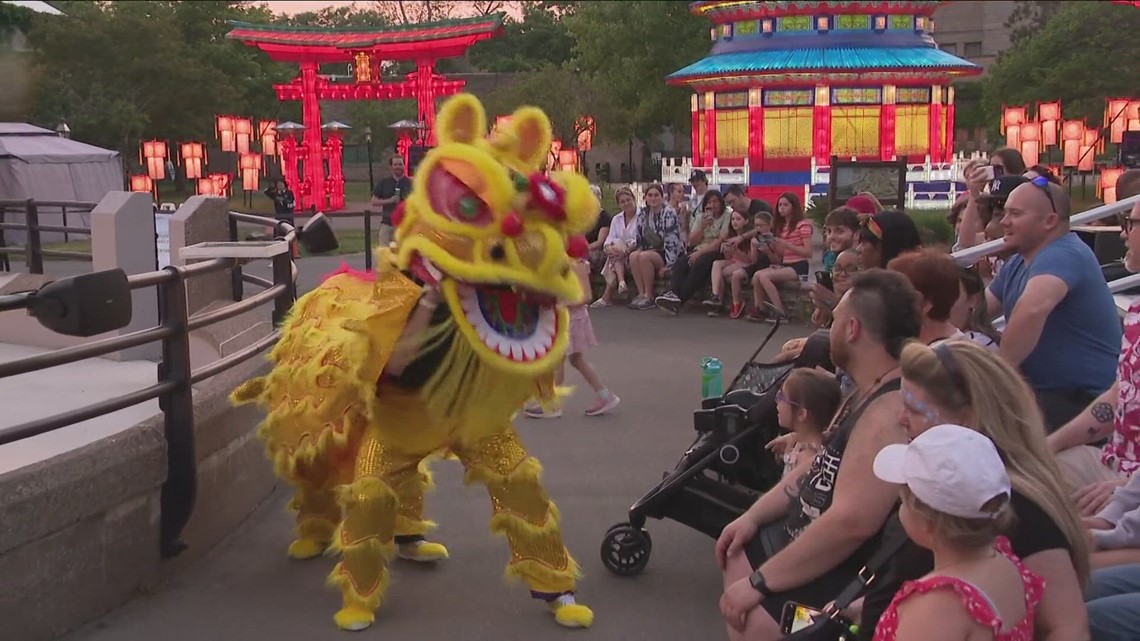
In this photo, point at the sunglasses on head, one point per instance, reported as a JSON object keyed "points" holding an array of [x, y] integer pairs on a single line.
{"points": [[1042, 183]]}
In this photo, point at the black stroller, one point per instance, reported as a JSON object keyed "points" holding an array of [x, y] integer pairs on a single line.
{"points": [[725, 469]]}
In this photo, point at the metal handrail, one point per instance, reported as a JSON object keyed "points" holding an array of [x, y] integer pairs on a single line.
{"points": [[971, 255], [32, 248], [175, 377]]}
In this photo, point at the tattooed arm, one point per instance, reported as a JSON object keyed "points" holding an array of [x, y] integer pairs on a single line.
{"points": [[1091, 425]]}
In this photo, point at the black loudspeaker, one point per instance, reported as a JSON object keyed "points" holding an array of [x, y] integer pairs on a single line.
{"points": [[84, 305], [1130, 150], [416, 156]]}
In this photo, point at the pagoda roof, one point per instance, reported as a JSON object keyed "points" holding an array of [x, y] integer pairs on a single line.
{"points": [[824, 61], [327, 44], [730, 10]]}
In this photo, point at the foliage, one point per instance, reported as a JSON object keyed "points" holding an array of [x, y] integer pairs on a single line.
{"points": [[934, 227], [1029, 16], [120, 72], [625, 50], [557, 91], [14, 18], [1081, 57], [378, 114], [816, 210], [336, 17], [970, 112], [538, 40]]}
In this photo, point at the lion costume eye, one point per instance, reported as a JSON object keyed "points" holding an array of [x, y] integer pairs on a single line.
{"points": [[454, 200]]}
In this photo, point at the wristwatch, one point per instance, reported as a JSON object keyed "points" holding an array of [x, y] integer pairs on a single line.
{"points": [[759, 584]]}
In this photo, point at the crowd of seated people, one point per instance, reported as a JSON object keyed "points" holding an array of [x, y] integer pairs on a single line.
{"points": [[738, 249], [1055, 396]]}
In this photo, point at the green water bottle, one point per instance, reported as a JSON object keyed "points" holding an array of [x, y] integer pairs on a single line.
{"points": [[710, 377]]}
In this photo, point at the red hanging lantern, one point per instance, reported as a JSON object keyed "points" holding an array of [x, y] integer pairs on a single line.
{"points": [[142, 183], [1011, 117], [586, 128], [1049, 111], [268, 129], [243, 130], [206, 187], [193, 159], [250, 165], [225, 127], [221, 184], [153, 155]]}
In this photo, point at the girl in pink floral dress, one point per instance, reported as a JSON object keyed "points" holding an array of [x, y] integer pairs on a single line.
{"points": [[955, 502]]}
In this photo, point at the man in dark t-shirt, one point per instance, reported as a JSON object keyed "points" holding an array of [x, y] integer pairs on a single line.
{"points": [[390, 191]]}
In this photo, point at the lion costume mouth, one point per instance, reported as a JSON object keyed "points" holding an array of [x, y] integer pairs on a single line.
{"points": [[518, 325]]}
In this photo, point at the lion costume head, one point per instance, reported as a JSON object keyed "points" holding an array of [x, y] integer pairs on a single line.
{"points": [[497, 235]]}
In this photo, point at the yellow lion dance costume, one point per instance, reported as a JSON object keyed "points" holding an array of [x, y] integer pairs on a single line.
{"points": [[372, 379]]}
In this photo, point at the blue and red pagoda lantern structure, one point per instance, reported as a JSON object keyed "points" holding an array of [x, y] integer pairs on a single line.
{"points": [[789, 84]]}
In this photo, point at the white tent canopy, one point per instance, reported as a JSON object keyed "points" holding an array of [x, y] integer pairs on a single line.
{"points": [[37, 163]]}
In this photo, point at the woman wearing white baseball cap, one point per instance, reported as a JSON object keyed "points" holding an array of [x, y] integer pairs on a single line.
{"points": [[961, 383], [956, 503]]}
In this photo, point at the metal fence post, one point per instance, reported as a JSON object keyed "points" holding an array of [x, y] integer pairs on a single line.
{"points": [[368, 240], [283, 275], [180, 488], [237, 288], [35, 259], [4, 260]]}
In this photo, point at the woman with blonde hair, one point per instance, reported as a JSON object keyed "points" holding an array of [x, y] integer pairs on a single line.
{"points": [[960, 382], [621, 239]]}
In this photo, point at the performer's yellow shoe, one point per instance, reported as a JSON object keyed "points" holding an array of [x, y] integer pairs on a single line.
{"points": [[302, 549], [422, 551], [569, 613], [354, 618]]}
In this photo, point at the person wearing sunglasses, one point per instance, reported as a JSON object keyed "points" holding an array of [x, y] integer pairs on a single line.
{"points": [[1062, 329]]}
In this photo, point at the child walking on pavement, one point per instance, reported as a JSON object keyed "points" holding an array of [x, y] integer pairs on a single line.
{"points": [[581, 339]]}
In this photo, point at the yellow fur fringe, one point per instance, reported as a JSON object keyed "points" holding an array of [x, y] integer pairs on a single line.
{"points": [[541, 577]]}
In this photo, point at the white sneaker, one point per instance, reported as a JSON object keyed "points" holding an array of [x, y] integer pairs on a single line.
{"points": [[538, 412], [603, 404]]}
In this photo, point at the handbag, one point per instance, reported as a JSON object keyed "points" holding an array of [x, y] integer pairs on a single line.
{"points": [[833, 626], [650, 237]]}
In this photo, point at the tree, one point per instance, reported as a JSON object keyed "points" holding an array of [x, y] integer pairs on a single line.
{"points": [[625, 50], [337, 17], [1081, 57], [539, 40], [120, 72], [414, 11], [559, 92], [1029, 16]]}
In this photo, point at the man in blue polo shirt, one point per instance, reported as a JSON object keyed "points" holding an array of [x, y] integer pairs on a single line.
{"points": [[1062, 327]]}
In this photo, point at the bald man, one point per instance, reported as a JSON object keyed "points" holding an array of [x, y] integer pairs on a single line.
{"points": [[1062, 327]]}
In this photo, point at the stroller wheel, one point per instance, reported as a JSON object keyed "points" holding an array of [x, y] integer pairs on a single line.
{"points": [[625, 550]]}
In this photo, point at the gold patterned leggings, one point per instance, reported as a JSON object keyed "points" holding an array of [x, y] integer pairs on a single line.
{"points": [[385, 499]]}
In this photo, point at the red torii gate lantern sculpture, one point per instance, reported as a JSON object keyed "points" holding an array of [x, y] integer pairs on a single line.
{"points": [[364, 50]]}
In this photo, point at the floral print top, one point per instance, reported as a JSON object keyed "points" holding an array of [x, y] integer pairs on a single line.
{"points": [[1122, 453], [665, 224], [977, 604]]}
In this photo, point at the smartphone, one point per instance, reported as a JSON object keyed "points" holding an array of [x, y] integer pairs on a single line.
{"points": [[797, 616], [990, 172], [824, 279]]}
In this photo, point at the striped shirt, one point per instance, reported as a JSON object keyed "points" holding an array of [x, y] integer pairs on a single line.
{"points": [[798, 236]]}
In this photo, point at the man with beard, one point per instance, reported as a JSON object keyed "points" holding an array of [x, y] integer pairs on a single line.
{"points": [[806, 539]]}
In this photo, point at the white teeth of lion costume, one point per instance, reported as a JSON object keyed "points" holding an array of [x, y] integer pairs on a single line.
{"points": [[494, 236]]}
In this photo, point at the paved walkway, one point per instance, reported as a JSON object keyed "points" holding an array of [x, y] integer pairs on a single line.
{"points": [[245, 589]]}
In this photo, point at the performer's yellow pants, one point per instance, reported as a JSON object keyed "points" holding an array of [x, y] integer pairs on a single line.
{"points": [[384, 499]]}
